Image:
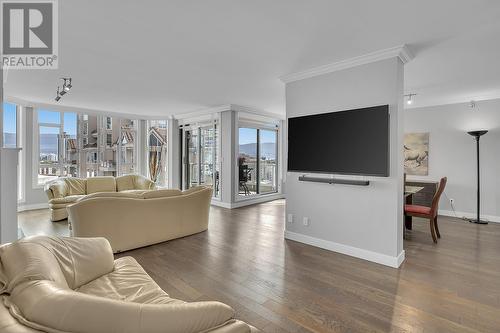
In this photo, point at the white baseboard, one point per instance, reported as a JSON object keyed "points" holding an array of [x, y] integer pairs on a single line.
{"points": [[22, 208], [248, 202], [376, 257], [489, 218], [220, 204]]}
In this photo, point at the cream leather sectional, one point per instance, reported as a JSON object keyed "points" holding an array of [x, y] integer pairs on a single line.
{"points": [[129, 220], [67, 190], [66, 285]]}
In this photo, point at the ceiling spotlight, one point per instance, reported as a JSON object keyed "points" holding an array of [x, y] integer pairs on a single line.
{"points": [[58, 95], [62, 92], [409, 97]]}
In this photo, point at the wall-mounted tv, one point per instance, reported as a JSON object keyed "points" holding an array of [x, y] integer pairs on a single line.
{"points": [[352, 142]]}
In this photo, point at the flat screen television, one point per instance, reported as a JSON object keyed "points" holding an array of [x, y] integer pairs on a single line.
{"points": [[353, 142]]}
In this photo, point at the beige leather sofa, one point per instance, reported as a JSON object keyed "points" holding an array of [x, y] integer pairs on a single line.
{"points": [[132, 220], [66, 285], [67, 190]]}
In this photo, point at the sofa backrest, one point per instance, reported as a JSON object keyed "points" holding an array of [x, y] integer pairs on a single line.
{"points": [[101, 184], [66, 186], [76, 186], [69, 262]]}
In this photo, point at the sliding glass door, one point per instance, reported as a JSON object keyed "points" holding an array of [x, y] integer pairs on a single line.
{"points": [[257, 161], [200, 156]]}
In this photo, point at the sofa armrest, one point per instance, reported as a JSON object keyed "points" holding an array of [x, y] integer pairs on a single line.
{"points": [[56, 189], [143, 183], [42, 305]]}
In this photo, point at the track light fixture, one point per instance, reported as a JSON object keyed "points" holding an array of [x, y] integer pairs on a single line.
{"points": [[58, 95], [67, 84], [65, 88], [409, 97]]}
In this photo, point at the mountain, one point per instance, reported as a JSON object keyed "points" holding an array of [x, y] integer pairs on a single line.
{"points": [[267, 150]]}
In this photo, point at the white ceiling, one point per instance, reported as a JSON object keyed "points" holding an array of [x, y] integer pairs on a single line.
{"points": [[169, 57]]}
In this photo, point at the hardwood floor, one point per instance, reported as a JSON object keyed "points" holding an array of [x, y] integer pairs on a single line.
{"points": [[285, 286]]}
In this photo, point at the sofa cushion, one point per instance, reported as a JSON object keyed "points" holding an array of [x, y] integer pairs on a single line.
{"points": [[416, 209], [25, 261], [76, 186], [128, 282], [70, 262], [101, 184], [124, 183], [161, 193]]}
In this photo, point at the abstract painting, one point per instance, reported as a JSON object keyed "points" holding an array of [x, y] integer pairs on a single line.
{"points": [[416, 152]]}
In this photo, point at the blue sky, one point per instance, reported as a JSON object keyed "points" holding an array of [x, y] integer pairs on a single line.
{"points": [[51, 117], [249, 135], [9, 118]]}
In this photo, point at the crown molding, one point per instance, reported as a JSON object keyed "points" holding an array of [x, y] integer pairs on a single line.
{"points": [[226, 107], [402, 52]]}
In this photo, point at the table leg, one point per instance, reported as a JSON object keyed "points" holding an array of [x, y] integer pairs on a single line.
{"points": [[408, 220]]}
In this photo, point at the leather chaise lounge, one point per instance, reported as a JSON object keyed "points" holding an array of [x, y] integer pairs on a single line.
{"points": [[66, 285]]}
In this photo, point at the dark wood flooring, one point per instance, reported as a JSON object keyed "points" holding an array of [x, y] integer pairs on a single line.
{"points": [[285, 286]]}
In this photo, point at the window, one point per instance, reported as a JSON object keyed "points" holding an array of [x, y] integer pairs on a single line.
{"points": [[9, 125], [257, 161], [268, 161], [80, 145], [12, 139], [157, 158], [247, 161], [50, 134]]}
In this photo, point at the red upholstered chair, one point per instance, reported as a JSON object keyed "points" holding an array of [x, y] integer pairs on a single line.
{"points": [[429, 212]]}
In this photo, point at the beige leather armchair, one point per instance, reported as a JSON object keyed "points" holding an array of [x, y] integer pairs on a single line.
{"points": [[132, 220], [67, 190], [51, 284]]}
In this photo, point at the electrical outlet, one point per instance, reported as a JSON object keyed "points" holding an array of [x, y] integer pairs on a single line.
{"points": [[305, 221], [290, 218]]}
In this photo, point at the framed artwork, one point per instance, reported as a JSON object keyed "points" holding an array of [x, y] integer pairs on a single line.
{"points": [[416, 153]]}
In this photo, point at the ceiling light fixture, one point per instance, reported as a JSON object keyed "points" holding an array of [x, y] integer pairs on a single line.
{"points": [[472, 104], [409, 97], [67, 83], [65, 88], [58, 95]]}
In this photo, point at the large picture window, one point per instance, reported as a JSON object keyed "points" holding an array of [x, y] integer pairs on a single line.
{"points": [[80, 145], [257, 161]]}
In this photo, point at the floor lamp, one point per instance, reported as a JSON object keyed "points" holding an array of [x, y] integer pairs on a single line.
{"points": [[477, 135]]}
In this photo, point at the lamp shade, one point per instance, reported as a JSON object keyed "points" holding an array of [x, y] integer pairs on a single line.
{"points": [[477, 133]]}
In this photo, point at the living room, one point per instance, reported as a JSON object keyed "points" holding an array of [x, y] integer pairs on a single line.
{"points": [[235, 166]]}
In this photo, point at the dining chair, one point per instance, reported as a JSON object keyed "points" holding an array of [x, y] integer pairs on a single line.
{"points": [[429, 212]]}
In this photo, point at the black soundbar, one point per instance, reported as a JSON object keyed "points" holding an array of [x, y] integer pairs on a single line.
{"points": [[334, 181]]}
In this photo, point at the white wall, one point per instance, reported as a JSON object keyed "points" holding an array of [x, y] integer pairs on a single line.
{"points": [[361, 221], [452, 153]]}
